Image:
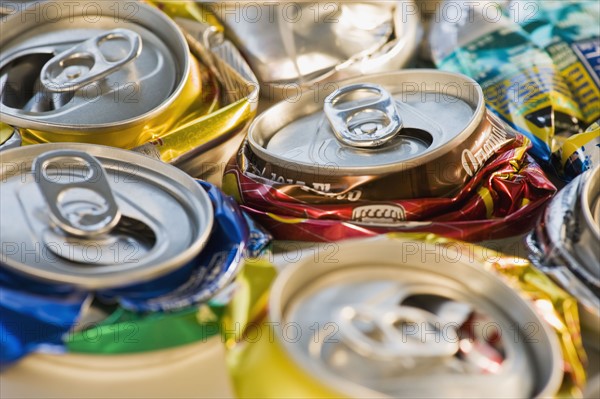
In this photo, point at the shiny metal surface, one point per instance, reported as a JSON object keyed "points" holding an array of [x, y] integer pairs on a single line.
{"points": [[290, 48], [85, 63], [79, 221], [565, 245], [447, 135], [363, 124], [382, 321], [95, 102], [166, 216], [296, 45], [280, 133]]}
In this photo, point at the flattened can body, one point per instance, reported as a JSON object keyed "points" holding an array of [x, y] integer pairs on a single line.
{"points": [[293, 46], [565, 245]]}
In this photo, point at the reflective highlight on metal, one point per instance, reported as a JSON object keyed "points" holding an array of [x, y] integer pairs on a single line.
{"points": [[311, 43], [367, 132], [428, 128], [97, 216], [120, 81]]}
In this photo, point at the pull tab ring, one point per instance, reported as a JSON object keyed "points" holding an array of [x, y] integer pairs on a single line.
{"points": [[85, 63], [83, 219], [393, 343], [363, 124]]}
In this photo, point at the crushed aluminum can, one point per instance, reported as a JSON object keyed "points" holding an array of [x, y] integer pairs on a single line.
{"points": [[565, 245], [396, 317], [108, 218], [578, 153], [118, 81], [144, 91], [292, 46], [422, 153], [141, 234], [392, 134], [537, 61]]}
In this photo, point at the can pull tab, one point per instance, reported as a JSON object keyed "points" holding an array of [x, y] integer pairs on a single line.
{"points": [[363, 124], [395, 332], [81, 205], [91, 60]]}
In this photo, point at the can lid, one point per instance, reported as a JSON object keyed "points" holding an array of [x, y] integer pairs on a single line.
{"points": [[411, 328], [372, 125], [98, 217], [65, 71]]}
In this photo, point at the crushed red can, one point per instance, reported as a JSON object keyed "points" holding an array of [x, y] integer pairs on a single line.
{"points": [[448, 166]]}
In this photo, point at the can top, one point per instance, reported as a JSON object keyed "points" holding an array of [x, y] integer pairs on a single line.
{"points": [[412, 328], [98, 217], [62, 70], [374, 124]]}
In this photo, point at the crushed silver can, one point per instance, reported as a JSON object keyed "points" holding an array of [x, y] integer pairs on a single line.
{"points": [[565, 245], [95, 72], [428, 129], [292, 46], [396, 318], [98, 217]]}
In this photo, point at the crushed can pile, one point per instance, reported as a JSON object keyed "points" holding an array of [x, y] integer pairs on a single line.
{"points": [[159, 158]]}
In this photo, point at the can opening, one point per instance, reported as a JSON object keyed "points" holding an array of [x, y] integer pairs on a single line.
{"points": [[21, 87], [420, 139], [479, 340]]}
